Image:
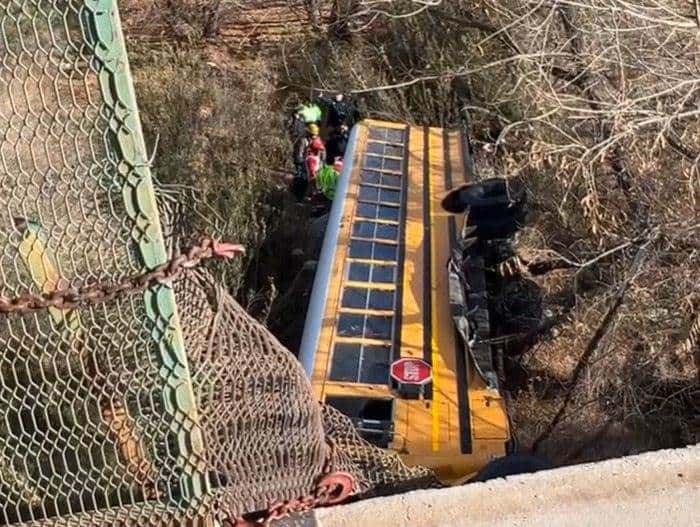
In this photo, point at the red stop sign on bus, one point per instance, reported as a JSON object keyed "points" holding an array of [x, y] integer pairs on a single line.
{"points": [[411, 371]]}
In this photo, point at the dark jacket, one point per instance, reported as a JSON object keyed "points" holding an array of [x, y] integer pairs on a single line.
{"points": [[339, 112], [296, 127], [336, 145]]}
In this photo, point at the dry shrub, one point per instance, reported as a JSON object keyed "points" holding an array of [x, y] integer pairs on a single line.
{"points": [[595, 105], [382, 54], [218, 138], [608, 139], [232, 24]]}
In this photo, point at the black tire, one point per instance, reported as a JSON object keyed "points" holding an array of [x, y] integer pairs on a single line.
{"points": [[511, 466], [501, 224], [494, 192], [479, 214]]}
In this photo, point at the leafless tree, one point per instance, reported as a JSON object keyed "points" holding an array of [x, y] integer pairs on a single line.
{"points": [[596, 106]]}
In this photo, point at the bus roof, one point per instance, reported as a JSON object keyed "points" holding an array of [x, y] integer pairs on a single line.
{"points": [[382, 292]]}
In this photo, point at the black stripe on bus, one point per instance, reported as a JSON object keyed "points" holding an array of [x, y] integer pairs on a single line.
{"points": [[427, 289], [398, 299], [465, 434]]}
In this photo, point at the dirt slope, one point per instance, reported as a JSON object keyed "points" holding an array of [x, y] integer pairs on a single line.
{"points": [[237, 26]]}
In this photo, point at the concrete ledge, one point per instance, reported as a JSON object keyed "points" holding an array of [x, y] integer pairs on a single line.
{"points": [[653, 489]]}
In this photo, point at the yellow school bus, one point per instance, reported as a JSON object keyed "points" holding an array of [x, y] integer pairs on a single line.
{"points": [[397, 279]]}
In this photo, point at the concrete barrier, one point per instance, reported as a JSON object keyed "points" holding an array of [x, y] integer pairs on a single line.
{"points": [[654, 489]]}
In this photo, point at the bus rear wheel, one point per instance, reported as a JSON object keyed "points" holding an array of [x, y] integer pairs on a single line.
{"points": [[491, 194], [511, 465], [499, 225], [496, 207]]}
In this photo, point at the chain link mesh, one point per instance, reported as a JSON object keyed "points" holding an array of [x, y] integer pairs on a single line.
{"points": [[103, 418], [95, 404]]}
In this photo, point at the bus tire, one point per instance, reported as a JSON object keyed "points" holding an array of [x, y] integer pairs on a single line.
{"points": [[479, 214], [511, 465], [493, 192], [502, 224]]}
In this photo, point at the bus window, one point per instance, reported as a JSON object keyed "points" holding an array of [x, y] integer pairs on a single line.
{"points": [[374, 368], [374, 194], [389, 196], [388, 164], [372, 177], [374, 299], [387, 232], [363, 363], [383, 149], [373, 273], [389, 135], [355, 298], [383, 274], [369, 193], [373, 418], [367, 326], [359, 271], [366, 250], [346, 362], [381, 300], [374, 211], [373, 230]]}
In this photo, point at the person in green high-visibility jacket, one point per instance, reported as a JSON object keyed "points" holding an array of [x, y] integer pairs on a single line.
{"points": [[327, 179], [310, 113]]}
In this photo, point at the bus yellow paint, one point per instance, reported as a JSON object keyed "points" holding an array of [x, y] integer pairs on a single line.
{"points": [[429, 431], [445, 406], [43, 270], [333, 388], [412, 285], [408, 423], [433, 159], [323, 358]]}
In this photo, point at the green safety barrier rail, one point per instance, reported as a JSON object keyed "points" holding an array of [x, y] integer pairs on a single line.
{"points": [[97, 410]]}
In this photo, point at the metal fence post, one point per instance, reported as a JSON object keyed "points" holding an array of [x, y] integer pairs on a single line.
{"points": [[102, 29]]}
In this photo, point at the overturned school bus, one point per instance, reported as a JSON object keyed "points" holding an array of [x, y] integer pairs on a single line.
{"points": [[397, 332]]}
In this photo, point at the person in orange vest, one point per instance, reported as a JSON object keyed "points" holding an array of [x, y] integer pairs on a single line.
{"points": [[315, 154], [314, 157]]}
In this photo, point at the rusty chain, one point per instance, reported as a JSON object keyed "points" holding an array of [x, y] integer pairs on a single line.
{"points": [[331, 489], [71, 298]]}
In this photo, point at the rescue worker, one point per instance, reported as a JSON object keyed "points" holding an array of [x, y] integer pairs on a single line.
{"points": [[313, 130], [315, 143], [303, 142], [338, 142], [340, 111], [310, 113], [296, 125], [315, 156], [299, 185], [309, 154], [299, 181], [327, 179], [326, 183]]}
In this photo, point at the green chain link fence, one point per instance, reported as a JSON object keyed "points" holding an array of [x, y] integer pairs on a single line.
{"points": [[113, 412], [96, 406]]}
